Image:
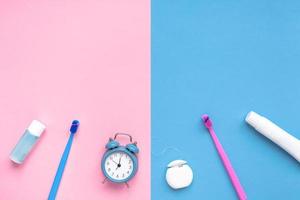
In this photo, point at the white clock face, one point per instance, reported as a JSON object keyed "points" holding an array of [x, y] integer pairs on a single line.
{"points": [[119, 166]]}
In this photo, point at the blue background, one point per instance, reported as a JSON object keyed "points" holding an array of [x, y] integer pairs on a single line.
{"points": [[225, 58]]}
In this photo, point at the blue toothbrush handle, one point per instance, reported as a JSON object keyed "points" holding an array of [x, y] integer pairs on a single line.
{"points": [[60, 169]]}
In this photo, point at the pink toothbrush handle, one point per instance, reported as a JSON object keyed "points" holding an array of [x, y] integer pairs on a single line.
{"points": [[233, 177]]}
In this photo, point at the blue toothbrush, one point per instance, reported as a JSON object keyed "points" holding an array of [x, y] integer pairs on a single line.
{"points": [[63, 161]]}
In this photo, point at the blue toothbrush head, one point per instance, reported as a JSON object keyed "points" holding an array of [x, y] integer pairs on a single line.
{"points": [[74, 127]]}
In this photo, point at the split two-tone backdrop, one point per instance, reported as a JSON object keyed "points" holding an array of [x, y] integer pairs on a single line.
{"points": [[150, 69]]}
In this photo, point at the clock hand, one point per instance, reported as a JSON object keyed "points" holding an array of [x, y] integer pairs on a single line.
{"points": [[120, 159], [115, 162], [119, 164]]}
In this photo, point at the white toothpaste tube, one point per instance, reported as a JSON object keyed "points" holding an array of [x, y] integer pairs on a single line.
{"points": [[279, 136]]}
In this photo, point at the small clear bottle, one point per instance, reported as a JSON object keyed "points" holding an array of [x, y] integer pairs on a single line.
{"points": [[27, 141]]}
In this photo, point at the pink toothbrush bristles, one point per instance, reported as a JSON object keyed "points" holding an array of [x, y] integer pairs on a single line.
{"points": [[207, 121]]}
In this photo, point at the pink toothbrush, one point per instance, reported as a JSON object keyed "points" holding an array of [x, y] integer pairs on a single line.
{"points": [[233, 177]]}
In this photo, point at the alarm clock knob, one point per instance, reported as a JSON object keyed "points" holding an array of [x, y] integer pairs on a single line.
{"points": [[132, 148], [112, 144]]}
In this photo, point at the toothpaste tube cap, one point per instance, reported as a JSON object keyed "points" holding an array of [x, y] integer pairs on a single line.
{"points": [[36, 128]]}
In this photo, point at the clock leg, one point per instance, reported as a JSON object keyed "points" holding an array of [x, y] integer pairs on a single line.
{"points": [[104, 180]]}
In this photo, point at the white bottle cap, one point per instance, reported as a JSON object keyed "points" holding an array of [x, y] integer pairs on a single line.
{"points": [[36, 128]]}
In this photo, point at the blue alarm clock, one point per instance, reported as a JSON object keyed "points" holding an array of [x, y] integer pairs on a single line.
{"points": [[119, 163]]}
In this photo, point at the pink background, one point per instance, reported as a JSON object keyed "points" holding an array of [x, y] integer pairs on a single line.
{"points": [[63, 60]]}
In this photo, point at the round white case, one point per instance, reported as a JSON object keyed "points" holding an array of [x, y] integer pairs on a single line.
{"points": [[179, 174]]}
